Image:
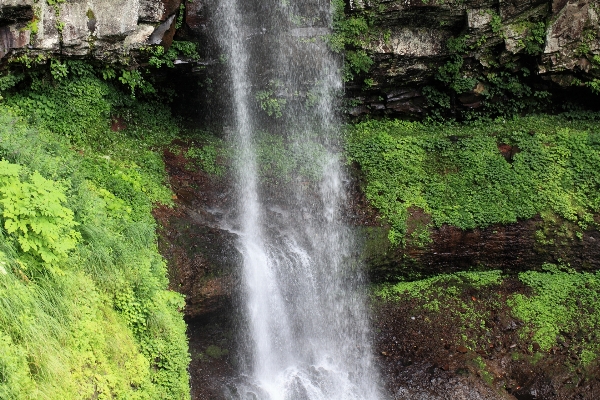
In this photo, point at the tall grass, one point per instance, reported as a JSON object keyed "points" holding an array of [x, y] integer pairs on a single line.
{"points": [[103, 325]]}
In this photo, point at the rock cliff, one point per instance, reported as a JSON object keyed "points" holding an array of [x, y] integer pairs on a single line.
{"points": [[415, 49], [556, 41], [104, 29]]}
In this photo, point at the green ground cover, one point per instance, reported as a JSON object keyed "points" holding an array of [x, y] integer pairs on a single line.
{"points": [[458, 175], [85, 310]]}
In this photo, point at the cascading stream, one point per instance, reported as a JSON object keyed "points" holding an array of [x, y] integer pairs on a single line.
{"points": [[306, 318]]}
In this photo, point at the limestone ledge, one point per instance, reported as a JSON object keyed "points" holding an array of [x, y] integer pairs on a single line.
{"points": [[103, 29]]}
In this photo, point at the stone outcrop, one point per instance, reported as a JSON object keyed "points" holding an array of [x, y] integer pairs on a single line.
{"points": [[412, 45], [512, 248], [516, 247], [556, 40], [104, 29]]}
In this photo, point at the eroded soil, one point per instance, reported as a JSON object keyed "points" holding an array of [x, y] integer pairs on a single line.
{"points": [[435, 352]]}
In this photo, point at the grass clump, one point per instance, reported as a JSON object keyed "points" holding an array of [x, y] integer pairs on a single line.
{"points": [[85, 311], [458, 175]]}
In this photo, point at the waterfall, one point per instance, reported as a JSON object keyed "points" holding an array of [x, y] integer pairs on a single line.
{"points": [[308, 334]]}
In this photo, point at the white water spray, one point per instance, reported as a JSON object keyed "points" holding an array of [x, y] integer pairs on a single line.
{"points": [[305, 311]]}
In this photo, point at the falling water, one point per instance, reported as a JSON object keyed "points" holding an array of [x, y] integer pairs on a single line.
{"points": [[308, 336]]}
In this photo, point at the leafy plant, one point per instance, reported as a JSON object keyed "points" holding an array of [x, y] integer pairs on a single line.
{"points": [[58, 69], [134, 80], [67, 174], [351, 35], [178, 49], [269, 102], [34, 215], [535, 39], [180, 16], [206, 156]]}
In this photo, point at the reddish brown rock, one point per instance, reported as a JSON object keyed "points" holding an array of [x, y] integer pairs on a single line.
{"points": [[196, 17], [201, 256], [462, 349], [11, 38]]}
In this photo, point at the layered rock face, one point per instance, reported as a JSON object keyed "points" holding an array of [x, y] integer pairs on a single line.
{"points": [[555, 39], [105, 29]]}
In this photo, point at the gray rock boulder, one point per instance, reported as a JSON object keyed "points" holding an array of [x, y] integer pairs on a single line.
{"points": [[103, 29]]}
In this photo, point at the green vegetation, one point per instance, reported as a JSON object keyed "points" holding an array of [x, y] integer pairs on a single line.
{"points": [[34, 215], [203, 151], [269, 102], [504, 86], [557, 308], [456, 296], [85, 311], [215, 352], [351, 36], [427, 288], [206, 157], [535, 39], [562, 303], [458, 175], [178, 49]]}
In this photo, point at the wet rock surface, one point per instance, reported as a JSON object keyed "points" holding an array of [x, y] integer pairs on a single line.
{"points": [[201, 253], [512, 248], [212, 368], [408, 46], [412, 47], [202, 262], [423, 355]]}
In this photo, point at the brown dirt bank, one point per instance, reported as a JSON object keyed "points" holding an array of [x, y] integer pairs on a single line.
{"points": [[202, 261], [438, 355]]}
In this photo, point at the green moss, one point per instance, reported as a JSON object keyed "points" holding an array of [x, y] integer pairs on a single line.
{"points": [[206, 157], [481, 367], [557, 310], [215, 352], [285, 159], [457, 174], [454, 296], [427, 287]]}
